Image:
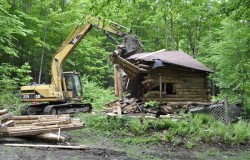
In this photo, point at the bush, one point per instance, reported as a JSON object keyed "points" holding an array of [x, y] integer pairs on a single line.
{"points": [[95, 94], [10, 102], [11, 76]]}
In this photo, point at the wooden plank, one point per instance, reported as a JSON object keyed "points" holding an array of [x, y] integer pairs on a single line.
{"points": [[81, 147], [25, 121], [32, 127], [34, 117], [40, 131], [3, 111], [67, 121], [41, 120]]}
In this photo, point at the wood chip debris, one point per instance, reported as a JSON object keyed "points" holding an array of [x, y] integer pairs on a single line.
{"points": [[133, 106]]}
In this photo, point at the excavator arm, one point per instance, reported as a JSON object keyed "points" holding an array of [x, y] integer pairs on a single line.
{"points": [[75, 38], [64, 93]]}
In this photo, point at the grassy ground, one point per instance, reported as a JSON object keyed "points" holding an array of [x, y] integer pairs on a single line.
{"points": [[153, 143]]}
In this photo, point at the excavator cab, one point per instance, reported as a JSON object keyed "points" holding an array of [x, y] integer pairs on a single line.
{"points": [[73, 85]]}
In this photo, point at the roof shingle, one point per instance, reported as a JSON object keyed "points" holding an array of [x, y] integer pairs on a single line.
{"points": [[172, 57]]}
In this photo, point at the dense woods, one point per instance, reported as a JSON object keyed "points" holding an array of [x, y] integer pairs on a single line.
{"points": [[216, 32]]}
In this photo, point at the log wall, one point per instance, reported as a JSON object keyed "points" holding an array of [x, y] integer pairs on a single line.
{"points": [[188, 85]]}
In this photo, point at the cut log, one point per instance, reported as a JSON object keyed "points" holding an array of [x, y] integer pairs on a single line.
{"points": [[51, 137], [9, 123], [81, 147]]}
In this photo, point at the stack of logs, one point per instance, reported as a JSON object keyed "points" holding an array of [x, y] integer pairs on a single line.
{"points": [[135, 106], [36, 125]]}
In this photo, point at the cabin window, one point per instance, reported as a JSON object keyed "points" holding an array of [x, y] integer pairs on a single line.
{"points": [[170, 90]]}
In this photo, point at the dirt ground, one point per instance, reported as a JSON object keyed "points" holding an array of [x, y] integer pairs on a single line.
{"points": [[25, 153], [102, 148]]}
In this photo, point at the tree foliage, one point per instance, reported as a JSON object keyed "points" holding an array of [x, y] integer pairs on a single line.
{"points": [[215, 32]]}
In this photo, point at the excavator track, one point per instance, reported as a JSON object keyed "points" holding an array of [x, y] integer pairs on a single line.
{"points": [[35, 109], [67, 108], [46, 108]]}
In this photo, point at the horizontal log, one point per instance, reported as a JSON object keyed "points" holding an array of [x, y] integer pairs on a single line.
{"points": [[34, 117], [15, 133], [67, 121], [165, 100], [41, 120], [3, 111], [188, 103], [25, 121], [156, 95], [81, 147], [33, 127], [175, 74], [51, 137], [191, 92]]}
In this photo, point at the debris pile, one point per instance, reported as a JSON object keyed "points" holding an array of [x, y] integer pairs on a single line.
{"points": [[123, 107], [128, 106], [38, 125]]}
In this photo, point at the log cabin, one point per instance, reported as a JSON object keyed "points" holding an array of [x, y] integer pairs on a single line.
{"points": [[163, 76]]}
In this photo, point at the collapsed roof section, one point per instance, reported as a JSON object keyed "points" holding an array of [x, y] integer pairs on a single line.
{"points": [[143, 62], [163, 57]]}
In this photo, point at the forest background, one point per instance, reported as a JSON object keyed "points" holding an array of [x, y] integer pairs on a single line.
{"points": [[216, 32]]}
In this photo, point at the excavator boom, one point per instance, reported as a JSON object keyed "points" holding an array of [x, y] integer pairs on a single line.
{"points": [[59, 90]]}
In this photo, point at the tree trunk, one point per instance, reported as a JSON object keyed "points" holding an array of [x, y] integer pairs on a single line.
{"points": [[211, 54], [172, 31], [166, 29], [43, 49], [63, 9]]}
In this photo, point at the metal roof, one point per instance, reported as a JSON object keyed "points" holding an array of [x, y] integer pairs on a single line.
{"points": [[172, 57]]}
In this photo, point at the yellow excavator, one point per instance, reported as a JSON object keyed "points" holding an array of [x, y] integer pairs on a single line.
{"points": [[64, 93]]}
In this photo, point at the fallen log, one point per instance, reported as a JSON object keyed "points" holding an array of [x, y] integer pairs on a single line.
{"points": [[51, 137], [81, 147]]}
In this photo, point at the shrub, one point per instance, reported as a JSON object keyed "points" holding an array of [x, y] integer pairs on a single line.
{"points": [[241, 132], [95, 94], [11, 76]]}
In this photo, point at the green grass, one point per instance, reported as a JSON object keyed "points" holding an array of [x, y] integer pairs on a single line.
{"points": [[10, 102], [188, 131]]}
